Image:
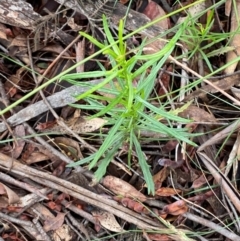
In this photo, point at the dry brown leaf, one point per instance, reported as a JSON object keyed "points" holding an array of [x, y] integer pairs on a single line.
{"points": [[3, 35], [35, 157], [3, 202], [123, 188], [78, 125], [69, 146], [236, 92], [170, 146], [19, 131], [62, 233], [108, 221], [228, 6], [19, 41], [202, 196], [11, 195], [154, 11], [45, 212], [235, 39], [200, 181], [132, 204], [169, 163], [160, 177], [159, 237], [167, 191], [194, 11], [197, 114], [54, 223], [177, 208]]}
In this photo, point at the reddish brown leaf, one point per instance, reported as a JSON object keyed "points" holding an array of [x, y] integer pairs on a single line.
{"points": [[123, 188], [201, 197], [59, 169], [167, 191], [54, 206], [46, 125], [132, 204], [159, 237], [153, 11], [169, 146], [14, 209], [160, 177], [177, 208], [168, 163], [199, 182], [12, 236]]}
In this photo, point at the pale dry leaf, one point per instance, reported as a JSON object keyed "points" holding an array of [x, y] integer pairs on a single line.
{"points": [[88, 126], [228, 6], [27, 200], [120, 187], [35, 157], [54, 223], [19, 41], [19, 131], [227, 131], [62, 233], [235, 39], [108, 221], [197, 114], [11, 195], [78, 125], [71, 23], [3, 35], [236, 92], [45, 212], [193, 11]]}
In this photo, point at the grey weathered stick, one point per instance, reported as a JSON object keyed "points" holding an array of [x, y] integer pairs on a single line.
{"points": [[134, 20], [59, 99], [79, 192]]}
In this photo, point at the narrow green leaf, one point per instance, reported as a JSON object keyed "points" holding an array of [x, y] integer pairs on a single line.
{"points": [[82, 162], [107, 142], [110, 37], [144, 166], [98, 86]]}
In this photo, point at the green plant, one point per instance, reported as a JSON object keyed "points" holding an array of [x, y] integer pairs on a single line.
{"points": [[200, 40], [127, 109]]}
